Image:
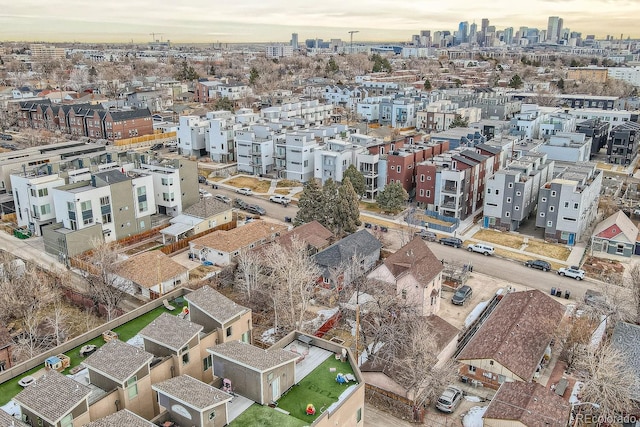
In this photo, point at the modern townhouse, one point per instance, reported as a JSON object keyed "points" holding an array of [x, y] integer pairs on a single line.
{"points": [[512, 193], [255, 148], [402, 161], [369, 109], [403, 112], [558, 122], [526, 124], [344, 96], [630, 75], [332, 159], [622, 147], [154, 100], [597, 130], [612, 117], [572, 100], [310, 111], [233, 90], [567, 147], [568, 204], [219, 137], [206, 214], [294, 157], [206, 91], [33, 200], [497, 107], [459, 137], [491, 128], [191, 135]]}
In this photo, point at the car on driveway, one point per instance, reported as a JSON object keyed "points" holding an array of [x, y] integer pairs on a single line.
{"points": [[539, 264], [451, 241], [223, 198], [429, 236], [277, 198], [450, 399], [255, 209], [573, 272], [245, 191], [481, 248], [463, 294]]}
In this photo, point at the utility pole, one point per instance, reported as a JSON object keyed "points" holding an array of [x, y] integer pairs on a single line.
{"points": [[352, 33]]}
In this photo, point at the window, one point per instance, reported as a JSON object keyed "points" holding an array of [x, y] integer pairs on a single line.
{"points": [[422, 192], [511, 185], [421, 177], [551, 208], [106, 218], [541, 214], [566, 204], [43, 192], [576, 205], [472, 368], [229, 331], [497, 192], [549, 223], [326, 280], [359, 415], [87, 212], [45, 209], [206, 363], [404, 294], [212, 415], [507, 214], [428, 193], [517, 208], [488, 191], [428, 177], [132, 387], [168, 197], [518, 193], [508, 199], [104, 201], [491, 362], [544, 199], [185, 358], [553, 194], [66, 421], [167, 181]]}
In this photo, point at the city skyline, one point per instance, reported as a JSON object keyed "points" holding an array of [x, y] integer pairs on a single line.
{"points": [[254, 21]]}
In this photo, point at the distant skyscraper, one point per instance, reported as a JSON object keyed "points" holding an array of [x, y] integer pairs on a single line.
{"points": [[463, 31], [507, 35], [473, 36], [483, 36], [294, 41], [554, 29]]}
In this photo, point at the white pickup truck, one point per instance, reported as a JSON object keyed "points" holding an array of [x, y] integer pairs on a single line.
{"points": [[573, 272]]}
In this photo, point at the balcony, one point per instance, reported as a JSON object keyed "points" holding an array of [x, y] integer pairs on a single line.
{"points": [[450, 189]]}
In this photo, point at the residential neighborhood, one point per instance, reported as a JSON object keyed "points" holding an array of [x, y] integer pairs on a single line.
{"points": [[441, 231]]}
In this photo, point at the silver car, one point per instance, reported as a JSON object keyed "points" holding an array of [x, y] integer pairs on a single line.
{"points": [[449, 399]]}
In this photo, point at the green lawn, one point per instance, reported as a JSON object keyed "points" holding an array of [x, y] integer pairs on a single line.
{"points": [[319, 388], [264, 416], [10, 388]]}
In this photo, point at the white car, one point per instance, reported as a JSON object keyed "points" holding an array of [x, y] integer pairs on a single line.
{"points": [[222, 198], [245, 191], [204, 194], [481, 248], [283, 200], [573, 272]]}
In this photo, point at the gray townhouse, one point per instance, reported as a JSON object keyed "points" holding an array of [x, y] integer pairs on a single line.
{"points": [[568, 204], [621, 147]]}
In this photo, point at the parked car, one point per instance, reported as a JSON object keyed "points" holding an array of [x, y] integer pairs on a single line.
{"points": [[155, 147], [277, 198], [429, 236], [204, 194], [462, 295], [539, 264], [6, 137], [573, 272], [450, 399], [255, 209], [239, 203], [223, 198], [245, 191], [202, 179], [451, 241], [481, 248], [595, 298]]}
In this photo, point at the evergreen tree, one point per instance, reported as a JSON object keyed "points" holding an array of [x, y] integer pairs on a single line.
{"points": [[392, 198], [347, 215], [310, 203], [427, 84], [516, 82], [223, 103], [459, 122], [253, 76], [329, 205], [331, 67], [357, 179], [186, 72]]}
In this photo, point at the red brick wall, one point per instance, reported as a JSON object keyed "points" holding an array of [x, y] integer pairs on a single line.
{"points": [[428, 170]]}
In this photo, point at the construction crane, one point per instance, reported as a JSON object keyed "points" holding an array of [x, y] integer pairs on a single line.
{"points": [[352, 33], [154, 36]]}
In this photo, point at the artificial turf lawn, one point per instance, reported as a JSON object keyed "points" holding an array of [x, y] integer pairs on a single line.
{"points": [[319, 388], [264, 416], [10, 388]]}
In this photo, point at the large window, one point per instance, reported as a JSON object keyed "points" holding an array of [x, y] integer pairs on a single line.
{"points": [[67, 421], [132, 387], [87, 212], [142, 198]]}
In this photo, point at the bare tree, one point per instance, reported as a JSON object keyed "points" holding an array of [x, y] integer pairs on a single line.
{"points": [[57, 319], [249, 272], [633, 283], [608, 380], [104, 285], [575, 343]]}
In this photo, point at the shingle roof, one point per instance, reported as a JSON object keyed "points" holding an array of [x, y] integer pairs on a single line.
{"points": [[190, 391], [130, 114], [624, 225], [118, 360], [6, 420], [150, 268], [124, 418], [238, 238], [207, 207], [253, 357], [530, 403], [626, 338], [170, 331], [414, 258], [312, 233], [216, 305], [52, 396], [360, 243], [517, 333]]}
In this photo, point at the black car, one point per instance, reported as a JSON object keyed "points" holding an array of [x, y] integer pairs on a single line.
{"points": [[451, 241], [539, 264], [6, 137], [462, 295], [239, 203], [255, 209], [157, 147], [202, 179]]}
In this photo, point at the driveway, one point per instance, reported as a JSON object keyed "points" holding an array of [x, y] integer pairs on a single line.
{"points": [[374, 417]]}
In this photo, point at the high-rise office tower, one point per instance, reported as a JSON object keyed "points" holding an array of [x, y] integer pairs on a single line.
{"points": [[294, 41], [507, 35], [473, 33], [483, 29], [463, 31], [554, 29]]}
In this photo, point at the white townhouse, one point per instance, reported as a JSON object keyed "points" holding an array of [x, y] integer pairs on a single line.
{"points": [[33, 200]]}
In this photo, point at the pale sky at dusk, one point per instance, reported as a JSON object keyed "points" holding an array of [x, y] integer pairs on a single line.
{"points": [[274, 20]]}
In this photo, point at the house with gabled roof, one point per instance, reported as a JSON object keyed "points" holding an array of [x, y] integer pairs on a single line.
{"points": [[616, 235], [193, 403], [514, 342], [520, 404], [314, 234], [121, 418], [221, 247], [206, 214], [125, 368], [360, 247], [260, 375], [54, 400], [415, 274], [151, 274], [171, 336]]}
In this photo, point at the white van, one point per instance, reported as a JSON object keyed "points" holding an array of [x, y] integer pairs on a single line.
{"points": [[481, 248]]}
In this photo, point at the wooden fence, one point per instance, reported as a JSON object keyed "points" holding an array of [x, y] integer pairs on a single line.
{"points": [[181, 244], [146, 138], [326, 326]]}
